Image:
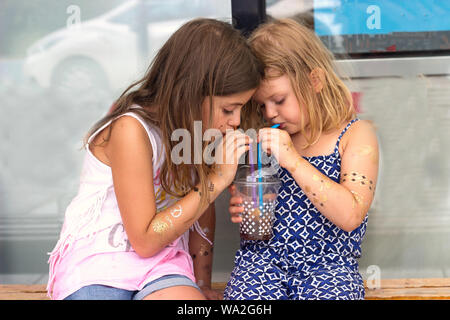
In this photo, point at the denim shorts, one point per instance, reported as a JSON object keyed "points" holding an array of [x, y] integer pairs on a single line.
{"points": [[102, 292]]}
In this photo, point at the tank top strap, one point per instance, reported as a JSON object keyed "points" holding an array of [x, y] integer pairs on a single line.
{"points": [[155, 143], [336, 149]]}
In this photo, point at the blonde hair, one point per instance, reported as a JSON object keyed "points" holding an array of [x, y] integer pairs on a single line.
{"points": [[287, 48]]}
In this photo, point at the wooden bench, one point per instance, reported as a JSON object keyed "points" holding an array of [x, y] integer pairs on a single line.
{"points": [[391, 289]]}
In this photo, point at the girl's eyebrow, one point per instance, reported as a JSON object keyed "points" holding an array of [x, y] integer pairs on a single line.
{"points": [[233, 104], [269, 98]]}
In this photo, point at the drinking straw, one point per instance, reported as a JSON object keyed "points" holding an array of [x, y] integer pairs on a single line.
{"points": [[252, 170], [260, 173]]}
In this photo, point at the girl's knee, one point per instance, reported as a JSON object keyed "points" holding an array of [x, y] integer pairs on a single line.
{"points": [[176, 293]]}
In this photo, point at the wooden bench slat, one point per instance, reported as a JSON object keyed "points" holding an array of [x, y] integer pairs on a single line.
{"points": [[414, 283], [391, 289], [409, 294]]}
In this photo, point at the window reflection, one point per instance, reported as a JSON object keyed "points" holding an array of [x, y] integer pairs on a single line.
{"points": [[59, 73], [361, 27], [408, 101]]}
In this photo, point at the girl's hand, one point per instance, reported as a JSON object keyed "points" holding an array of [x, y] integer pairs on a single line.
{"points": [[234, 145], [278, 143], [235, 208]]}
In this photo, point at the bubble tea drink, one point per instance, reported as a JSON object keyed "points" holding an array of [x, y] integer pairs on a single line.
{"points": [[258, 215]]}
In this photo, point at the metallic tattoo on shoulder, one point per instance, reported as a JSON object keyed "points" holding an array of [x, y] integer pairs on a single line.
{"points": [[368, 151]]}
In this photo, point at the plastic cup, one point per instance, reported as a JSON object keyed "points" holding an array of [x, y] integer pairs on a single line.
{"points": [[257, 218]]}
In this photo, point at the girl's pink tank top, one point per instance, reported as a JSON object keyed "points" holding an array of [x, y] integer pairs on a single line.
{"points": [[93, 247]]}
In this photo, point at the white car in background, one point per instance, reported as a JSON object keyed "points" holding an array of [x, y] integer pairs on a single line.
{"points": [[104, 52]]}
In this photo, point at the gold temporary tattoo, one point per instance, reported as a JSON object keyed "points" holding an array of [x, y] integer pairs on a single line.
{"points": [[160, 226], [176, 213], [297, 164], [198, 191], [211, 187], [170, 221], [320, 198], [358, 178], [323, 183], [357, 198], [203, 250], [368, 151], [365, 150], [289, 145]]}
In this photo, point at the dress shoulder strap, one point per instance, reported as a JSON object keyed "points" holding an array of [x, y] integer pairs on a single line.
{"points": [[336, 149]]}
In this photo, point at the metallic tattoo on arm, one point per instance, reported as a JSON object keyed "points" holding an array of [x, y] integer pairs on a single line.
{"points": [[177, 212], [319, 196], [361, 179], [196, 190], [203, 250], [159, 226]]}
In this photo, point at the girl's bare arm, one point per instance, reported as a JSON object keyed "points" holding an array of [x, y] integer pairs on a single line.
{"points": [[130, 154], [345, 203]]}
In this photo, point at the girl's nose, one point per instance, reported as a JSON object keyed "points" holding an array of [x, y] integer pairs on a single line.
{"points": [[235, 119], [270, 111]]}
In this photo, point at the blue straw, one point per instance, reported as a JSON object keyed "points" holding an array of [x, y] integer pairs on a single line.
{"points": [[260, 173]]}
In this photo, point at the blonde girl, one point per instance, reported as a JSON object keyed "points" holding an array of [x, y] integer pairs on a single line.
{"points": [[328, 165]]}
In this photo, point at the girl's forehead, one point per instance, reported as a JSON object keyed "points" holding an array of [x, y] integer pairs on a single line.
{"points": [[273, 86]]}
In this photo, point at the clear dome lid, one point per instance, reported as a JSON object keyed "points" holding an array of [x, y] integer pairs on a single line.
{"points": [[251, 174]]}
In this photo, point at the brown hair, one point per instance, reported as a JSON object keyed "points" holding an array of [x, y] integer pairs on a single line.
{"points": [[204, 58], [287, 48]]}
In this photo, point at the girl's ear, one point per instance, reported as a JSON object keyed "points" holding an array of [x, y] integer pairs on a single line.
{"points": [[317, 78]]}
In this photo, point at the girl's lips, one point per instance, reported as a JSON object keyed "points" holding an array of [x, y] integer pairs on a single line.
{"points": [[282, 125]]}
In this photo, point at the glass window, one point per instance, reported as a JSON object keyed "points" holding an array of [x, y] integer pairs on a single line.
{"points": [[59, 74], [361, 27], [399, 75]]}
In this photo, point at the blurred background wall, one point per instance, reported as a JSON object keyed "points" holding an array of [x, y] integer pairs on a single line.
{"points": [[62, 64]]}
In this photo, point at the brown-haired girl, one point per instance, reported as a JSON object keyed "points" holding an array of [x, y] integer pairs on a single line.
{"points": [[126, 235], [328, 165]]}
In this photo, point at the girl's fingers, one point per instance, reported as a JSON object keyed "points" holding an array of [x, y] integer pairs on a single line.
{"points": [[241, 150], [236, 210], [235, 200], [236, 219], [237, 138]]}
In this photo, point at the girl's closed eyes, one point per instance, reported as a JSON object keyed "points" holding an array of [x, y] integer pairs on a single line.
{"points": [[227, 112], [280, 102]]}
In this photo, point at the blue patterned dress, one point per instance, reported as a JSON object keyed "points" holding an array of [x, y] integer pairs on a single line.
{"points": [[308, 257]]}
